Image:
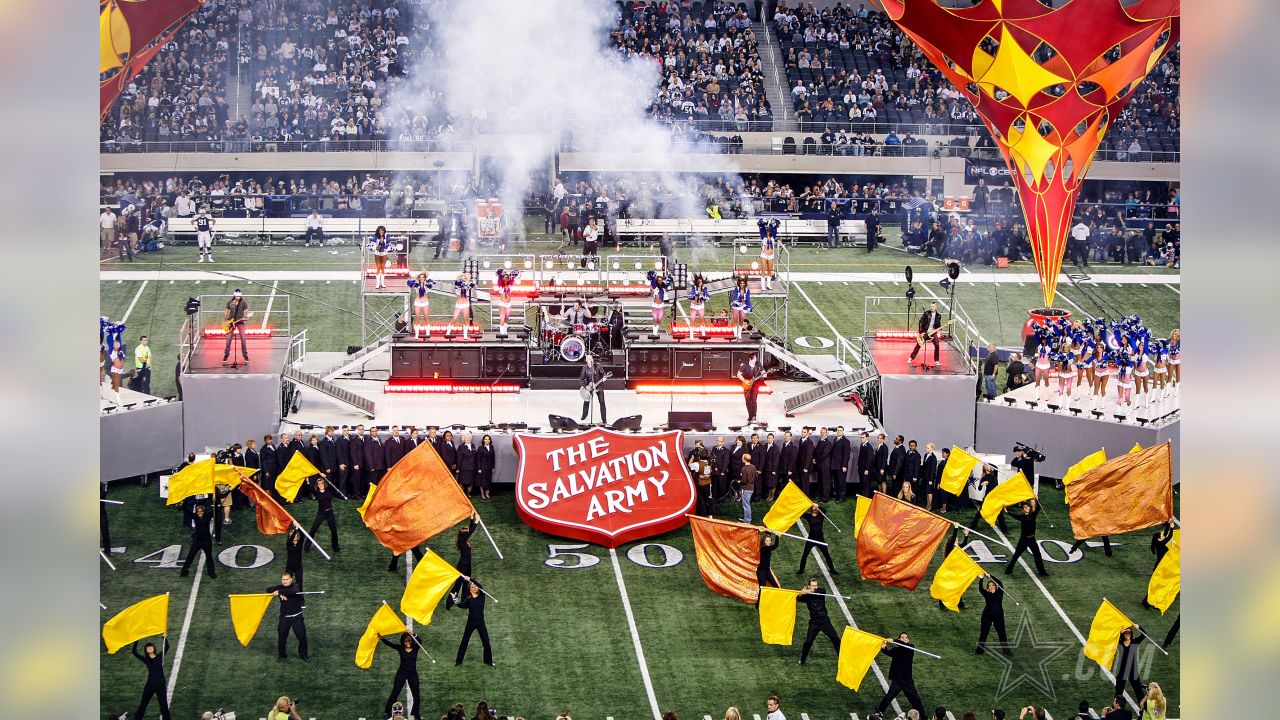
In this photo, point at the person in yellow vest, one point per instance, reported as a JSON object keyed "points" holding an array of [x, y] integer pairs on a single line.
{"points": [[142, 365]]}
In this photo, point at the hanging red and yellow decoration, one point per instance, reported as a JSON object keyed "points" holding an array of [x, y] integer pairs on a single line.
{"points": [[130, 33]]}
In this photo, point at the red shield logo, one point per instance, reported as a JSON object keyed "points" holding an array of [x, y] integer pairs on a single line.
{"points": [[603, 486]]}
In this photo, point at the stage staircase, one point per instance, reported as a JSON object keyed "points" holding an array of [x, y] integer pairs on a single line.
{"points": [[847, 383], [325, 387], [357, 359], [796, 361]]}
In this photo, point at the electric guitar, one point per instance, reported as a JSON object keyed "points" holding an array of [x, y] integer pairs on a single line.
{"points": [[748, 384], [922, 338], [586, 391], [228, 323]]}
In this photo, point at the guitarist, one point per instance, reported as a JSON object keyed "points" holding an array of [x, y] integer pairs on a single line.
{"points": [[234, 318], [750, 372], [929, 329], [592, 380]]}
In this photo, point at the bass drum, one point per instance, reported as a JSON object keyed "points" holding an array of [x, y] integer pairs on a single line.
{"points": [[573, 349]]}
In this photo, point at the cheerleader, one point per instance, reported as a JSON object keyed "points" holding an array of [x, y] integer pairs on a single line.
{"points": [[658, 285], [1141, 375], [1084, 367], [698, 296], [1124, 382], [1098, 371], [1043, 365], [462, 287], [740, 302], [1108, 369], [768, 251], [380, 246], [117, 369], [1066, 377], [104, 343], [1161, 367], [503, 300], [1174, 348], [421, 302]]}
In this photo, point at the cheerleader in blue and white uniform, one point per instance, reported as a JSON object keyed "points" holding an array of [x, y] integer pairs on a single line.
{"points": [[1161, 367], [740, 303], [1142, 375], [1043, 364], [1084, 366], [1124, 382], [1066, 376], [658, 285], [1175, 357], [698, 297], [380, 246], [768, 251], [463, 287], [506, 278], [421, 302]]}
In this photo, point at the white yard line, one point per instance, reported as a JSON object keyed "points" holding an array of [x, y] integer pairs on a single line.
{"points": [[408, 621], [635, 635], [1176, 290], [129, 311], [186, 627], [852, 353], [848, 616], [270, 301]]}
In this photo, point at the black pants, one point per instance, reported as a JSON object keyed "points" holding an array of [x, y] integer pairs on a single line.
{"points": [[158, 692], [196, 549], [326, 516], [1106, 545], [764, 577], [810, 547], [936, 348], [908, 688], [484, 640], [236, 329], [991, 620], [838, 478], [823, 477], [1139, 691], [1027, 543], [704, 500], [395, 559], [819, 627], [318, 235], [299, 629], [403, 678], [751, 396], [1173, 631], [143, 377], [586, 406]]}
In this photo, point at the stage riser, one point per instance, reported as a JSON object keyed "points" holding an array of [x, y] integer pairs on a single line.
{"points": [[139, 441], [221, 409], [1063, 438], [929, 408]]}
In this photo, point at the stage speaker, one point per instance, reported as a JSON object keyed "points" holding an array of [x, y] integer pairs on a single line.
{"points": [[739, 357], [718, 364], [630, 422], [649, 363], [688, 364], [466, 364], [406, 362], [436, 363], [506, 362], [686, 420], [560, 423]]}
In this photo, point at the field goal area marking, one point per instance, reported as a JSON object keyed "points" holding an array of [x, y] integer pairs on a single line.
{"points": [[635, 634]]}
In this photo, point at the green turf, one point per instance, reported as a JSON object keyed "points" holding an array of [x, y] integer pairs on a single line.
{"points": [[561, 637]]}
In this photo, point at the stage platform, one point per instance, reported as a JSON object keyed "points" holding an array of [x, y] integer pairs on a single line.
{"points": [[127, 397], [892, 357], [223, 403], [266, 355], [137, 440]]}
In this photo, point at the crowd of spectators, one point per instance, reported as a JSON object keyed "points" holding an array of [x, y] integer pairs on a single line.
{"points": [[711, 78]]}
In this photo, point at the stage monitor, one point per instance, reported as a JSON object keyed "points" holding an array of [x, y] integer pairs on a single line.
{"points": [[685, 420], [630, 422], [560, 423]]}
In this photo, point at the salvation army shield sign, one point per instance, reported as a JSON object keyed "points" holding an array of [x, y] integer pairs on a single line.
{"points": [[602, 486]]}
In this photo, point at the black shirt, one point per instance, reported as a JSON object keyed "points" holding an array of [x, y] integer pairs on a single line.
{"points": [[290, 600], [1028, 522], [749, 370], [817, 605], [991, 365], [474, 606], [408, 656], [900, 665], [815, 526], [155, 665], [324, 498], [994, 600]]}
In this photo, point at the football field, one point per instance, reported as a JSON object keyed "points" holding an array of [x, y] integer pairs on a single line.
{"points": [[582, 629]]}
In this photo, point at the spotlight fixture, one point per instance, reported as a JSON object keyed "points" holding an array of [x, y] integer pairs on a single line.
{"points": [[1121, 418], [908, 272], [1032, 404], [1097, 414], [550, 264], [1075, 411], [1143, 421], [911, 293], [1052, 407], [945, 283], [560, 423], [506, 263], [1012, 401], [193, 306], [487, 264], [528, 264]]}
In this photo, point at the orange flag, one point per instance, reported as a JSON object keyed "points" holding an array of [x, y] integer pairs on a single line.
{"points": [[897, 541], [272, 518], [728, 555], [416, 500], [1128, 493]]}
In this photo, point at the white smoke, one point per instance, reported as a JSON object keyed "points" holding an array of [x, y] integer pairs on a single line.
{"points": [[533, 73]]}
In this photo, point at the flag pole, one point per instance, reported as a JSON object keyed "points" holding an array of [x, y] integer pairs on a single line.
{"points": [[1153, 641], [110, 502], [106, 560], [915, 649], [757, 528], [798, 537], [307, 535], [333, 486], [486, 592], [311, 592], [104, 607], [833, 524], [846, 597], [485, 528], [1000, 585], [418, 642]]}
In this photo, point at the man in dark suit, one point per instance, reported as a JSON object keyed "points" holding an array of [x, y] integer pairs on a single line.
{"points": [[756, 450], [867, 478], [787, 456], [298, 443], [911, 471], [375, 460], [328, 454], [897, 457], [267, 456], [284, 452], [433, 437], [929, 325], [357, 461], [736, 462], [841, 456], [822, 466], [881, 468], [928, 477], [395, 447], [342, 447], [804, 461], [719, 470], [413, 441], [769, 467]]}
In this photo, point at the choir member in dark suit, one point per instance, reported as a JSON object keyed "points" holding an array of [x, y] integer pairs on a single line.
{"points": [[867, 479], [769, 467], [297, 444], [897, 457], [942, 497], [356, 470], [433, 437], [375, 460], [267, 475], [251, 460], [467, 463], [911, 471], [413, 441], [756, 451], [881, 464], [735, 465], [395, 447], [329, 454], [448, 452], [486, 462], [928, 476], [822, 449], [841, 459], [804, 461], [343, 457], [788, 456]]}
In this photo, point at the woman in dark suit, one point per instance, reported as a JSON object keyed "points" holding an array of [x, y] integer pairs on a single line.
{"points": [[486, 461], [467, 463], [449, 453]]}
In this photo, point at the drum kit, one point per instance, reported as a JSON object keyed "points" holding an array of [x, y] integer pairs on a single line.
{"points": [[574, 342]]}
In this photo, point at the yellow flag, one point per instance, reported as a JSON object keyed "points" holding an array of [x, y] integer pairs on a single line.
{"points": [[384, 622], [777, 615], [960, 465], [1104, 634], [194, 479], [231, 474], [246, 614], [953, 577], [367, 499], [857, 650], [289, 481], [1166, 581], [431, 579], [787, 509], [1010, 492], [1087, 463], [1136, 448], [144, 618], [860, 513]]}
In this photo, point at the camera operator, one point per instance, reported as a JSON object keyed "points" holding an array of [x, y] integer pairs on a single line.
{"points": [[284, 709], [1025, 459]]}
